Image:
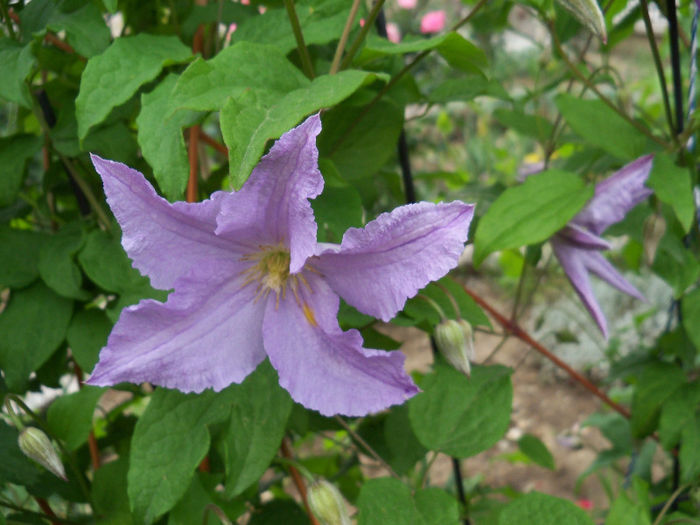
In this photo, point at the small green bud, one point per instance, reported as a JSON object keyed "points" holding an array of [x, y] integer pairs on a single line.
{"points": [[37, 446], [455, 342], [327, 504]]}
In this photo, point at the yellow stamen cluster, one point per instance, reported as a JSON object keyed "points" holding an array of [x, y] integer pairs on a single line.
{"points": [[271, 271]]}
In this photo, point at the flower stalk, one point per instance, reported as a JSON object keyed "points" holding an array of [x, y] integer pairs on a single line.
{"points": [[299, 36]]}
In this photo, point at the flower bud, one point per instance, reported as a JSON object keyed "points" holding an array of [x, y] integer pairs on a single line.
{"points": [[455, 342], [327, 504], [589, 14], [37, 446]]}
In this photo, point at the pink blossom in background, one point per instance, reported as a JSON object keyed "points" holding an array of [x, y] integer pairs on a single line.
{"points": [[433, 22], [362, 22], [585, 504], [407, 4], [229, 32], [245, 2], [393, 33]]}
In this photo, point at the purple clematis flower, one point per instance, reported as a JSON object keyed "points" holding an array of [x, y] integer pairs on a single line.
{"points": [[578, 245], [250, 281]]}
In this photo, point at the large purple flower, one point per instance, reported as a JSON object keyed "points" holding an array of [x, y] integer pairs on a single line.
{"points": [[251, 281], [579, 244]]}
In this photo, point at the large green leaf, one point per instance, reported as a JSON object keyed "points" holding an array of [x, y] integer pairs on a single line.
{"points": [[533, 126], [530, 212], [247, 128], [437, 507], [689, 454], [106, 264], [259, 412], [85, 29], [170, 439], [17, 63], [161, 139], [87, 334], [691, 316], [542, 509], [56, 265], [625, 512], [70, 416], [19, 256], [113, 77], [657, 382], [459, 52], [678, 412], [109, 493], [462, 416], [32, 325], [602, 127], [206, 84], [15, 151], [672, 185], [386, 501]]}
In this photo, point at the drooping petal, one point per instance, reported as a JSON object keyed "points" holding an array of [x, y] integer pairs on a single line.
{"points": [[616, 195], [381, 265], [163, 240], [596, 263], [581, 236], [570, 259], [324, 368], [273, 205], [207, 334]]}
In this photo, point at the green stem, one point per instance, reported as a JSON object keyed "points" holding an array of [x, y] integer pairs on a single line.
{"points": [[668, 504], [344, 36], [8, 20], [436, 306], [659, 68], [395, 79], [299, 36], [102, 217], [357, 438], [301, 468], [376, 8], [602, 97], [210, 507], [71, 460], [14, 417]]}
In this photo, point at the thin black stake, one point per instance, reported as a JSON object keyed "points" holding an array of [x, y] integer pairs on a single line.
{"points": [[675, 63]]}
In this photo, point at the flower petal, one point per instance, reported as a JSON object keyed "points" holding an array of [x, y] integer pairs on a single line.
{"points": [[273, 205], [580, 236], [616, 195], [207, 335], [570, 258], [596, 263], [164, 240], [324, 368], [381, 265]]}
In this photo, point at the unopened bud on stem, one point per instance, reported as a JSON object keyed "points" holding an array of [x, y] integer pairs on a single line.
{"points": [[455, 342], [327, 504], [37, 446]]}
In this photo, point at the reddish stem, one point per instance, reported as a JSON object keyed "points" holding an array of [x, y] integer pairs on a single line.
{"points": [[193, 154], [213, 143], [286, 451], [46, 509], [513, 328], [205, 466]]}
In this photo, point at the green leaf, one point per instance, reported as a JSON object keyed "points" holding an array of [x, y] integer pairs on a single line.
{"points": [[657, 382], [690, 307], [462, 416], [626, 512], [170, 439], [87, 334], [336, 210], [19, 256], [107, 265], [279, 511], [17, 63], [537, 451], [56, 265], [15, 467], [530, 212], [437, 507], [206, 84], [689, 454], [386, 501], [542, 509], [70, 416], [672, 185], [376, 137], [111, 78], [466, 89], [404, 448], [247, 128], [161, 140], [259, 412], [321, 22], [15, 151], [109, 493], [459, 52], [602, 127], [85, 29], [200, 496], [33, 325], [675, 264], [533, 126]]}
